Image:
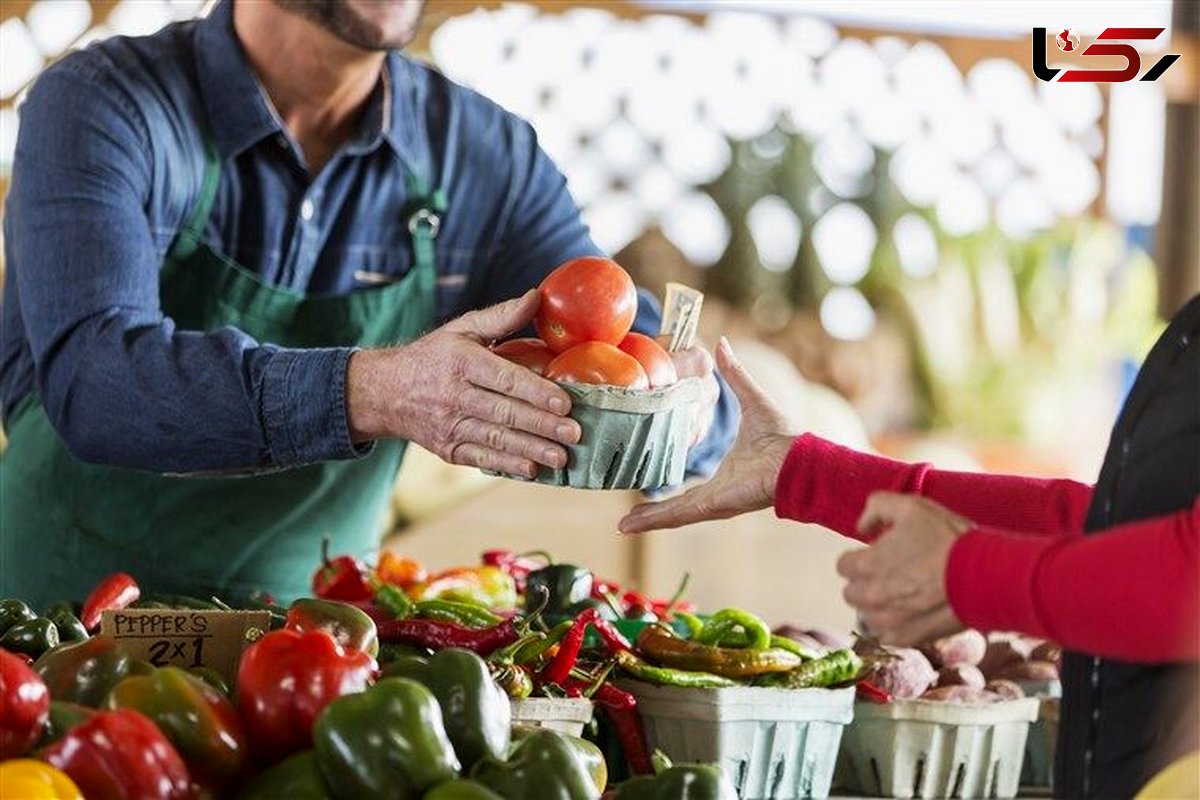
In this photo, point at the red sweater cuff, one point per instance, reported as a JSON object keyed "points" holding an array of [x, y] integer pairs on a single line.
{"points": [[828, 484], [989, 580]]}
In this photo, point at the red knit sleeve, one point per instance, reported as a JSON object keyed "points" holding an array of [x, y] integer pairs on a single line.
{"points": [[1131, 593], [828, 484]]}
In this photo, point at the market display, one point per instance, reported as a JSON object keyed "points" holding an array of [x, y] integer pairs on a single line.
{"points": [[395, 681]]}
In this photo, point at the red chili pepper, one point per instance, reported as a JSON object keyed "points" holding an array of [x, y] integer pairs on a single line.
{"points": [[24, 706], [865, 690], [343, 578], [664, 608], [119, 754], [621, 708], [614, 640], [286, 679], [441, 635], [114, 593], [603, 589], [568, 649]]}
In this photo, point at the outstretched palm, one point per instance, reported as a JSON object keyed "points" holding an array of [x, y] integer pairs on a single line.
{"points": [[746, 479]]}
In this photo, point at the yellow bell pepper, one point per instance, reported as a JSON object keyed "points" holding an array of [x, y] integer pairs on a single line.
{"points": [[30, 779]]}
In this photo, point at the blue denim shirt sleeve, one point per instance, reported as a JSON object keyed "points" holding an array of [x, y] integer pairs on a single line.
{"points": [[121, 385], [545, 229]]}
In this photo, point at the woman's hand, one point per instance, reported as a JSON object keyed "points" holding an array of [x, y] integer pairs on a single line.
{"points": [[746, 479], [898, 584]]}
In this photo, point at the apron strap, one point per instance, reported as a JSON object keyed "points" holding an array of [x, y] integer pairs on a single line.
{"points": [[189, 238], [424, 221]]}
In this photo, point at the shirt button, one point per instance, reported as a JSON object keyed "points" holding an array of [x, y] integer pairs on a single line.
{"points": [[306, 210]]}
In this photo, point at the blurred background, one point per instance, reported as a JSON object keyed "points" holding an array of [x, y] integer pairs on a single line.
{"points": [[917, 247]]}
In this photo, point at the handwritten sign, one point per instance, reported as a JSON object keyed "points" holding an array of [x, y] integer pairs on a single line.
{"points": [[184, 638]]}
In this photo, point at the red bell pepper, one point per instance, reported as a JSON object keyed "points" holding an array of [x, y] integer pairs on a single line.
{"points": [[343, 578], [120, 755], [284, 681], [24, 706], [114, 593]]}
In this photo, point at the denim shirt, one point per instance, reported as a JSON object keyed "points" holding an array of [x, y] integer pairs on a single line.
{"points": [[108, 165]]}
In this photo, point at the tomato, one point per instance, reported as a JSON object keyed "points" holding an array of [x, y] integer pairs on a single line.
{"points": [[531, 353], [586, 300], [598, 363], [660, 369]]}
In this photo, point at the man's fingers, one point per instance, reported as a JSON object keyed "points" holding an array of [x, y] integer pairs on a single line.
{"points": [[475, 455], [498, 321], [514, 442], [695, 362], [881, 511], [855, 564], [510, 412], [490, 371], [899, 629]]}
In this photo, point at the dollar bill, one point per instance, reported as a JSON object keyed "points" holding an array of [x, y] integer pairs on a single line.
{"points": [[681, 315]]}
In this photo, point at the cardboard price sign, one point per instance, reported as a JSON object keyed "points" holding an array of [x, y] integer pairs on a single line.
{"points": [[184, 638]]}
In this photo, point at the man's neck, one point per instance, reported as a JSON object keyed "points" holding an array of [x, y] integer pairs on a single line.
{"points": [[317, 82]]}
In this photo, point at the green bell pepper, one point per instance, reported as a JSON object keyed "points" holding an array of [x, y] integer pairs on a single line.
{"points": [[296, 778], [349, 626], [685, 782], [544, 766], [85, 672], [566, 584], [475, 711], [32, 637], [13, 612], [588, 753], [63, 717], [461, 789], [385, 742], [199, 720]]}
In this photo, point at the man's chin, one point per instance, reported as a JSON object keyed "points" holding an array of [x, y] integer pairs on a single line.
{"points": [[366, 24]]}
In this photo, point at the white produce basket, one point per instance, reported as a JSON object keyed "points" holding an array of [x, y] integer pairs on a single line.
{"points": [[771, 743], [1043, 734], [562, 714], [930, 749]]}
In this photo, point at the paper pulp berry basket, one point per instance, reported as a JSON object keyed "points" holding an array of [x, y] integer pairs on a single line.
{"points": [[1043, 735], [632, 439], [562, 714], [922, 748], [770, 742]]}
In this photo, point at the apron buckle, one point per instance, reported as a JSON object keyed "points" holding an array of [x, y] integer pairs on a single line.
{"points": [[424, 218]]}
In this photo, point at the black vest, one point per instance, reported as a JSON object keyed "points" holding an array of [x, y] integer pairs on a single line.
{"points": [[1123, 723]]}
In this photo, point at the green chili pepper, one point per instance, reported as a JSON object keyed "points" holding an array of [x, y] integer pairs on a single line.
{"points": [[792, 646], [663, 647], [394, 601], [694, 624], [13, 612], [837, 667], [670, 677], [469, 615], [33, 637], [534, 650], [730, 621], [394, 651], [70, 629]]}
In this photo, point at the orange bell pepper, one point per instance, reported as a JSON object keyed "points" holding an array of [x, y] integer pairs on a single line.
{"points": [[399, 571]]}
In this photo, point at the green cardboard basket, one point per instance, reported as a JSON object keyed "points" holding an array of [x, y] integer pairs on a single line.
{"points": [[632, 439]]}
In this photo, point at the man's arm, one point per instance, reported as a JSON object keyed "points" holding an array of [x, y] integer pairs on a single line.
{"points": [[828, 484], [543, 229], [121, 385]]}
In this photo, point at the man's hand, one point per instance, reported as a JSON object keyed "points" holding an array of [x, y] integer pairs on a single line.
{"points": [[746, 479], [697, 362], [898, 583], [450, 394]]}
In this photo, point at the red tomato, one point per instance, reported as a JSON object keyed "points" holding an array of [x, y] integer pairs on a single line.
{"points": [[660, 369], [598, 363], [586, 300], [531, 353]]}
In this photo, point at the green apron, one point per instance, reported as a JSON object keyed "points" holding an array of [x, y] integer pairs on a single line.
{"points": [[65, 524]]}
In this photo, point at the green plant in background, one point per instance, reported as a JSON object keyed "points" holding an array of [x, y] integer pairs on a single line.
{"points": [[999, 323]]}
